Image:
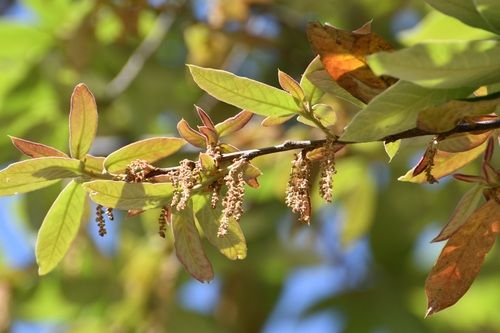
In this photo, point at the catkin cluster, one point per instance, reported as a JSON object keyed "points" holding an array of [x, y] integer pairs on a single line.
{"points": [[183, 181], [233, 201], [327, 171], [297, 192]]}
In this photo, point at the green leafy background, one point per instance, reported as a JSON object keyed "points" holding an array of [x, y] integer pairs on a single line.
{"points": [[359, 267]]}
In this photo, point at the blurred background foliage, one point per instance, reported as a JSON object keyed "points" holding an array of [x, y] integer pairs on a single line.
{"points": [[359, 267]]}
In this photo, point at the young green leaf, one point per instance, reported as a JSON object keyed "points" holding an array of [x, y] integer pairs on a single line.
{"points": [[460, 260], [312, 93], [82, 121], [291, 86], [190, 135], [442, 64], [188, 247], [35, 149], [122, 195], [93, 164], [465, 207], [233, 244], [463, 10], [60, 226], [150, 150], [275, 121], [233, 124], [36, 173], [396, 110], [444, 164], [324, 82], [244, 93], [392, 148], [324, 113]]}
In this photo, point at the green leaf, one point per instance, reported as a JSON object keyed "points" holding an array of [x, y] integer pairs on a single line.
{"points": [[82, 121], [442, 64], [275, 121], [60, 226], [35, 149], [324, 113], [396, 110], [490, 11], [313, 93], [122, 195], [463, 141], [36, 173], [244, 93], [392, 148], [464, 10], [150, 150], [93, 164], [233, 244], [465, 207], [233, 124], [327, 84], [188, 247], [444, 164]]}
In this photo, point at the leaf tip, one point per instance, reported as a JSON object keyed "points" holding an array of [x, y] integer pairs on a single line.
{"points": [[430, 311]]}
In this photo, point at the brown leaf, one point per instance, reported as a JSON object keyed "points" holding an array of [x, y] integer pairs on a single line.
{"points": [[35, 149], [233, 124], [205, 118], [290, 86], [461, 259], [191, 135], [465, 207], [343, 54]]}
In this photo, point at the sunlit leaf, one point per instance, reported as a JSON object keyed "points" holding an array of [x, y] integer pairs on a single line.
{"points": [[343, 54], [322, 112], [35, 149], [392, 148], [250, 174], [463, 10], [188, 247], [463, 141], [210, 134], [33, 174], [233, 124], [275, 121], [150, 150], [82, 121], [396, 110], [461, 259], [233, 244], [291, 86], [93, 164], [122, 195], [311, 91], [445, 117], [442, 64], [244, 93], [324, 82], [205, 118], [444, 164], [60, 226], [465, 207]]}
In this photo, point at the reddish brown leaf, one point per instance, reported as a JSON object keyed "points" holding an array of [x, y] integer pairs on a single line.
{"points": [[465, 207], [343, 54], [461, 259], [205, 118], [82, 121], [210, 135], [190, 135], [35, 149], [233, 124], [290, 86]]}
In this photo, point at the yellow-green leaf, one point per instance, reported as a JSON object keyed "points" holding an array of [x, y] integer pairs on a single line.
{"points": [[312, 93], [60, 226], [444, 164], [150, 150], [82, 121], [122, 195], [244, 93], [233, 244], [392, 148], [188, 247], [93, 164], [36, 173]]}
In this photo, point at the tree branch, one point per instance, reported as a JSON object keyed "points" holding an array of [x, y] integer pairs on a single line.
{"points": [[464, 127]]}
